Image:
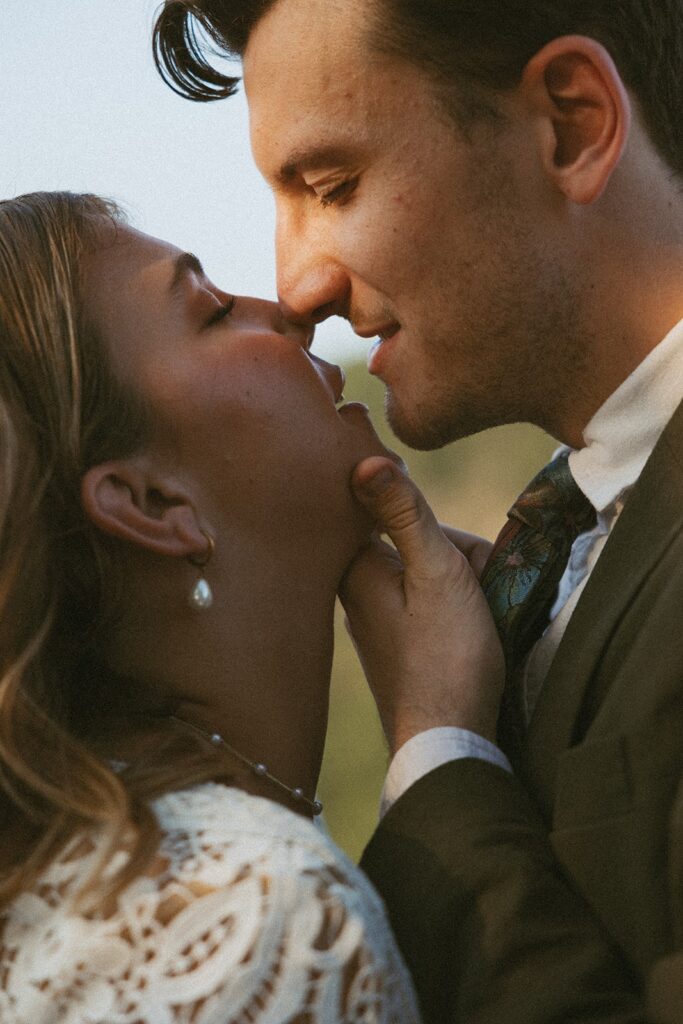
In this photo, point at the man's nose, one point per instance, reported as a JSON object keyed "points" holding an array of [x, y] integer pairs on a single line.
{"points": [[310, 291]]}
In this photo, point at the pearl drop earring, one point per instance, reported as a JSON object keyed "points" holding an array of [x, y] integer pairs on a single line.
{"points": [[201, 595]]}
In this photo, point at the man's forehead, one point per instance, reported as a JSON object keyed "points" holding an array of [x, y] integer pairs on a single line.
{"points": [[312, 18], [311, 89], [302, 41]]}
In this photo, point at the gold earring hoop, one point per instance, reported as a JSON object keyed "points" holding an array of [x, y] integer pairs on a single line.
{"points": [[201, 595]]}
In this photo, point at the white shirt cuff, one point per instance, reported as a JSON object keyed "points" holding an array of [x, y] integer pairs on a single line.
{"points": [[430, 749]]}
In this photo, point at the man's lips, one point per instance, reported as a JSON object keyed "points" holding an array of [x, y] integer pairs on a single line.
{"points": [[378, 353], [383, 330]]}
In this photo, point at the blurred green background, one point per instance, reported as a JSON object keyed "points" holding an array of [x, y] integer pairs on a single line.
{"points": [[469, 484]]}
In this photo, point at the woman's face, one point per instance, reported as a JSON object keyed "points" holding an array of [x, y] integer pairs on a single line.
{"points": [[240, 407]]}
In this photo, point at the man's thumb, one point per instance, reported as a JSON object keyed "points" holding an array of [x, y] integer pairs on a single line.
{"points": [[400, 511]]}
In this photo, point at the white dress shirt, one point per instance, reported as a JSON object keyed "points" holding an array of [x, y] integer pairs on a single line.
{"points": [[619, 440]]}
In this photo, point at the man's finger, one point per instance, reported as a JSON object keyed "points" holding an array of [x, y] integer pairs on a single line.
{"points": [[369, 571], [402, 513]]}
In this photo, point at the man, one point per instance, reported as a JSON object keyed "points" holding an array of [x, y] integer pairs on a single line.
{"points": [[494, 190]]}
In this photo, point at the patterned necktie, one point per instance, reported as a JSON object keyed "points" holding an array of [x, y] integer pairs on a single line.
{"points": [[528, 560]]}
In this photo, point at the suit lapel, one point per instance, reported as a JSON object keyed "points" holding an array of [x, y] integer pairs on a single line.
{"points": [[651, 517]]}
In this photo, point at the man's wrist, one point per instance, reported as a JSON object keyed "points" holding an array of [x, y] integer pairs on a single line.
{"points": [[419, 721], [428, 750]]}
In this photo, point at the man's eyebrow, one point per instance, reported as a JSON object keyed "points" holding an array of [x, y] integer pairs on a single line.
{"points": [[301, 160], [186, 263]]}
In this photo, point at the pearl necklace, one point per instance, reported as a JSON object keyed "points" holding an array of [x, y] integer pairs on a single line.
{"points": [[257, 767]]}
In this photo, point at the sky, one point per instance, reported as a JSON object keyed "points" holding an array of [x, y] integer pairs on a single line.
{"points": [[83, 108]]}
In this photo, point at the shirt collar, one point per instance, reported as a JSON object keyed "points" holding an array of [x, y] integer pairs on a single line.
{"points": [[622, 434]]}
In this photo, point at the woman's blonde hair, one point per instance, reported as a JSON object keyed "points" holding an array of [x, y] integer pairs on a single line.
{"points": [[62, 410]]}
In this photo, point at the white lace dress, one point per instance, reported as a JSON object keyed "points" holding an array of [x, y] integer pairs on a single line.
{"points": [[251, 916]]}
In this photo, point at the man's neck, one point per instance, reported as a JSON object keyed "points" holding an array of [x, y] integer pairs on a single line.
{"points": [[631, 312]]}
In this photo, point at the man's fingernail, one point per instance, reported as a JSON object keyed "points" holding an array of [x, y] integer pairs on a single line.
{"points": [[379, 482]]}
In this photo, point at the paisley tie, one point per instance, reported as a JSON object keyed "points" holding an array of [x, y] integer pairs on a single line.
{"points": [[526, 564]]}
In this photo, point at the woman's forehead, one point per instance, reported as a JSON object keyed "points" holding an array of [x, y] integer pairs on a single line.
{"points": [[129, 254], [126, 291], [121, 277]]}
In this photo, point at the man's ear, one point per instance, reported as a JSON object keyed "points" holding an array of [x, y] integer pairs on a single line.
{"points": [[127, 499], [586, 112]]}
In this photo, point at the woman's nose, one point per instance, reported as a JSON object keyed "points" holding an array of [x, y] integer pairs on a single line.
{"points": [[300, 331], [264, 315], [303, 334]]}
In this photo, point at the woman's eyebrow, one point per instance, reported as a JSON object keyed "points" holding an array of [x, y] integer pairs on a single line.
{"points": [[186, 263]]}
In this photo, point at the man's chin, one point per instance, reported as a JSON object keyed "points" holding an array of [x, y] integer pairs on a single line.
{"points": [[426, 429]]}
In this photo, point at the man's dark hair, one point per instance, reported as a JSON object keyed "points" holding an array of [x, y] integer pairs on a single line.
{"points": [[470, 47]]}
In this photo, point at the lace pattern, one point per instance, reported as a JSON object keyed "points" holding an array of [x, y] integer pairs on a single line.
{"points": [[250, 915]]}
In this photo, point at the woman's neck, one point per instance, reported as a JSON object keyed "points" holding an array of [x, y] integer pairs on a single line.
{"points": [[268, 696], [254, 668]]}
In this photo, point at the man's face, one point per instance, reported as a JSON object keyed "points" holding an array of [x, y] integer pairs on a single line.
{"points": [[444, 246]]}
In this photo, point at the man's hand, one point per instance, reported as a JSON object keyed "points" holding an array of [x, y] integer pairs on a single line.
{"points": [[475, 549], [418, 617]]}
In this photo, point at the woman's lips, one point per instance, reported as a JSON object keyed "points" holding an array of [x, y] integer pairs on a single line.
{"points": [[332, 376], [352, 407], [360, 409]]}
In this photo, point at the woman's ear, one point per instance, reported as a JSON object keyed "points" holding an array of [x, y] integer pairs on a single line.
{"points": [[127, 499], [574, 83]]}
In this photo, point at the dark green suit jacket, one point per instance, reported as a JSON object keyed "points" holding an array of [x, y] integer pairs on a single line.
{"points": [[546, 896]]}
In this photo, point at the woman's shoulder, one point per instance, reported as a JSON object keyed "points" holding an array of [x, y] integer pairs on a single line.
{"points": [[214, 834], [211, 817], [226, 812], [248, 907], [304, 909]]}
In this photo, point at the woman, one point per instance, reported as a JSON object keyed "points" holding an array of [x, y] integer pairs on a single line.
{"points": [[174, 522]]}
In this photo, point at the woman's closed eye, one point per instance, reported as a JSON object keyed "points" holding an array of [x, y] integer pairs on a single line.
{"points": [[220, 313]]}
